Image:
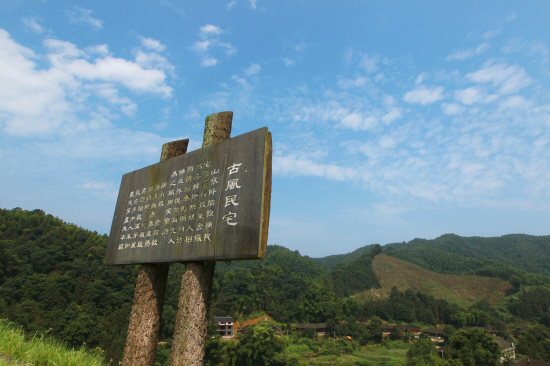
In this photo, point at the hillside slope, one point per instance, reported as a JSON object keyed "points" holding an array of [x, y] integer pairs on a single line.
{"points": [[526, 252], [460, 290]]}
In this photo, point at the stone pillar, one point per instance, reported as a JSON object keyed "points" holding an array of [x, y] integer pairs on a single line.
{"points": [[188, 346]]}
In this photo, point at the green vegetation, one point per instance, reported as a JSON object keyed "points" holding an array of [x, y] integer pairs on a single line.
{"points": [[42, 351], [52, 279], [462, 290], [474, 347], [521, 259], [52, 282]]}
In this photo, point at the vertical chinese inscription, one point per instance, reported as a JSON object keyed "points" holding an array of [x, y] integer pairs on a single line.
{"points": [[193, 206], [179, 210]]}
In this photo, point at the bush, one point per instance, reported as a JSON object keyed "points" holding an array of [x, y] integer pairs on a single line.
{"points": [[336, 348]]}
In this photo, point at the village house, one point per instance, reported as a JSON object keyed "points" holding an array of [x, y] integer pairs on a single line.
{"points": [[225, 326], [320, 328], [508, 349], [435, 334]]}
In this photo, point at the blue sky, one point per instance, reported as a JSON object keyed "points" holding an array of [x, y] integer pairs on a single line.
{"points": [[391, 120]]}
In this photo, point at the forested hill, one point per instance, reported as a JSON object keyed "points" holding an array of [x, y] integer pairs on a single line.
{"points": [[525, 252], [329, 262], [453, 254], [52, 280]]}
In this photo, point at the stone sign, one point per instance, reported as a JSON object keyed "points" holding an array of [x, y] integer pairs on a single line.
{"points": [[209, 204]]}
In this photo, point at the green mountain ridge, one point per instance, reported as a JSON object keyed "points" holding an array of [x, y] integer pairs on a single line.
{"points": [[52, 280]]}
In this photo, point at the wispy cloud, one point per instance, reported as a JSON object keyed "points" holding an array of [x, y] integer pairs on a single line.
{"points": [[424, 95], [462, 55], [509, 79], [152, 44], [170, 5], [32, 24], [288, 62], [231, 4], [252, 69], [84, 16], [209, 43]]}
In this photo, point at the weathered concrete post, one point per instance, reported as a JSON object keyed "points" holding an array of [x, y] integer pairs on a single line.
{"points": [[141, 341], [189, 343]]}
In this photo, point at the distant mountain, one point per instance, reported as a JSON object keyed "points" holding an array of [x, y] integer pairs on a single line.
{"points": [[329, 262], [52, 279], [277, 255], [525, 252]]}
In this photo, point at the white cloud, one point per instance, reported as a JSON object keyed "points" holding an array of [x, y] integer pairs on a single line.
{"points": [[253, 4], [392, 115], [210, 43], [356, 121], [288, 62], [516, 102], [252, 69], [231, 4], [84, 16], [451, 109], [152, 44], [40, 101], [470, 95], [201, 46], [65, 56], [210, 29], [369, 63], [424, 95], [229, 49], [206, 62], [491, 34], [241, 81], [509, 79], [296, 165], [462, 55], [152, 60], [101, 49], [32, 24], [358, 82]]}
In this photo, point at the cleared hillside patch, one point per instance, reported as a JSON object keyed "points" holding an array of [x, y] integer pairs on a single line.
{"points": [[460, 290]]}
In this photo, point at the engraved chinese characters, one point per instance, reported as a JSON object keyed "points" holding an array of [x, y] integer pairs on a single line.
{"points": [[204, 205], [187, 202]]}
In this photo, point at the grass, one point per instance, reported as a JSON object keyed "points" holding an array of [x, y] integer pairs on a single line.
{"points": [[373, 355], [460, 290], [41, 351], [382, 355]]}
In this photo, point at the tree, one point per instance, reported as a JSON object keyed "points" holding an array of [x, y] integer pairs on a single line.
{"points": [[474, 347], [376, 329], [448, 331], [423, 353], [259, 347], [395, 334]]}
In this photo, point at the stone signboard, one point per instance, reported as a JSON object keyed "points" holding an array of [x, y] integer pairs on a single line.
{"points": [[209, 204]]}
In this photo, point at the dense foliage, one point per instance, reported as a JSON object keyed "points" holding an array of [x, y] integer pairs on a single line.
{"points": [[52, 280], [451, 253]]}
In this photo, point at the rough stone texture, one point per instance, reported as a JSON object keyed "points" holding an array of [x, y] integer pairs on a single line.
{"points": [[188, 346], [173, 149], [141, 341], [217, 128], [266, 205]]}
